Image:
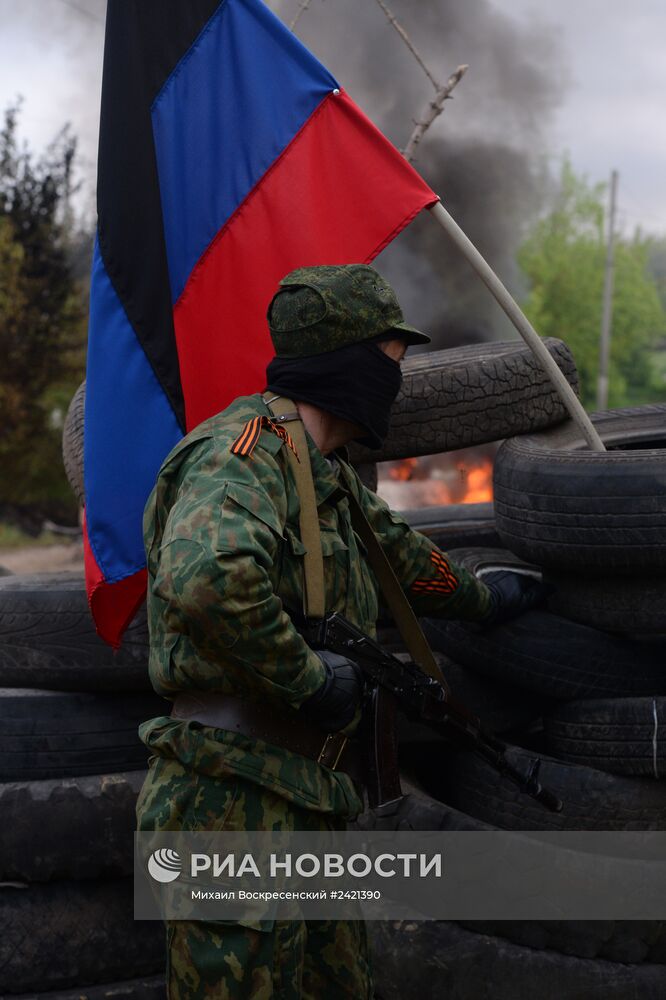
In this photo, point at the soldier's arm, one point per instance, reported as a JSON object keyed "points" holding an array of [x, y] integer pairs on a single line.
{"points": [[213, 576], [435, 585]]}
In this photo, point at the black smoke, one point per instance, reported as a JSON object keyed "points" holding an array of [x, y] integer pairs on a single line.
{"points": [[484, 155]]}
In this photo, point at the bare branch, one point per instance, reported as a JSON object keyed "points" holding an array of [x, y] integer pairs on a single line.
{"points": [[432, 111], [301, 10], [409, 43]]}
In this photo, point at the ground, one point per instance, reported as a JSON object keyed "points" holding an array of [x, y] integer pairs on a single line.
{"points": [[43, 558]]}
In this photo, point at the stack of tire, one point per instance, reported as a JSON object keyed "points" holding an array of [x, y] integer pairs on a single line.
{"points": [[72, 854], [581, 683], [71, 766]]}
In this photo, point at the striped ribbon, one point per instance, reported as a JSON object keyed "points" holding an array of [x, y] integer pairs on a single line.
{"points": [[445, 583], [247, 440]]}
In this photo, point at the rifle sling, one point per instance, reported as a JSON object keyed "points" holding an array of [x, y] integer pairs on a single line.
{"points": [[403, 614], [314, 599]]}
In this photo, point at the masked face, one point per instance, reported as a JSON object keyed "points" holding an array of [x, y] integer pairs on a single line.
{"points": [[358, 383], [395, 349]]}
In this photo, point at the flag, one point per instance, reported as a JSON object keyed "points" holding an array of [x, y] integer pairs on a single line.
{"points": [[228, 156]]}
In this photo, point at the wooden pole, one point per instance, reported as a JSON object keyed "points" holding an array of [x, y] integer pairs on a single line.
{"points": [[607, 312], [521, 323]]}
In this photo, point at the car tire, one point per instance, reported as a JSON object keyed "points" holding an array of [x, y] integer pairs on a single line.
{"points": [[545, 654], [500, 707], [69, 828], [592, 799], [629, 941], [54, 734], [625, 736], [72, 443], [457, 525], [612, 603], [632, 942], [145, 988], [567, 508], [445, 961], [471, 395], [48, 640], [63, 933], [554, 657]]}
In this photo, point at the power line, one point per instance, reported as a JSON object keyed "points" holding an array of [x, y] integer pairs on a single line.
{"points": [[82, 10]]}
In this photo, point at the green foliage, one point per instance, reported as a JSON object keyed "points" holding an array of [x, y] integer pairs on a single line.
{"points": [[12, 537], [564, 260], [42, 318]]}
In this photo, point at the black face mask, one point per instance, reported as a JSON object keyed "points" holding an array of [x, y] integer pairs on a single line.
{"points": [[358, 383]]}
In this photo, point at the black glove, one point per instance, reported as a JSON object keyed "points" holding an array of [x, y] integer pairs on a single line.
{"points": [[512, 594], [333, 705]]}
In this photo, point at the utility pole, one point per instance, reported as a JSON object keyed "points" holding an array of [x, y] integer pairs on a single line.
{"points": [[607, 311]]}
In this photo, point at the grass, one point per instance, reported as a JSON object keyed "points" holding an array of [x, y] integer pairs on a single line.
{"points": [[13, 538]]}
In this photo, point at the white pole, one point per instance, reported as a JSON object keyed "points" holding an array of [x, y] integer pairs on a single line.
{"points": [[607, 314], [522, 324]]}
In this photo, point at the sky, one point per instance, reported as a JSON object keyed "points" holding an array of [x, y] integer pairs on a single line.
{"points": [[608, 59], [613, 113]]}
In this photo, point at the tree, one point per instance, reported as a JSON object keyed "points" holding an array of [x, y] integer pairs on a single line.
{"points": [[41, 318], [564, 259]]}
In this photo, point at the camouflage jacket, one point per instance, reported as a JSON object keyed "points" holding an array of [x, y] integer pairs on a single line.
{"points": [[225, 560]]}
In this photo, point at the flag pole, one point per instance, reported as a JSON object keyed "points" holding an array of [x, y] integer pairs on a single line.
{"points": [[521, 323]]}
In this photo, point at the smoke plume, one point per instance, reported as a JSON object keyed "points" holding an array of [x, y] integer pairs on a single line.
{"points": [[484, 155]]}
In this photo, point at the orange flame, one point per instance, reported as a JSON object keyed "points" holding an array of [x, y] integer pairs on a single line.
{"points": [[479, 483], [403, 471], [465, 477]]}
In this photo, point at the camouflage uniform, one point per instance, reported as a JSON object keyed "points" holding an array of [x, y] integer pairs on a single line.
{"points": [[224, 560]]}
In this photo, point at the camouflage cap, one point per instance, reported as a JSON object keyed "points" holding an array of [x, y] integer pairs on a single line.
{"points": [[323, 308]]}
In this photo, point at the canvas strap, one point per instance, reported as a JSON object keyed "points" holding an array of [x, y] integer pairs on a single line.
{"points": [[286, 415], [403, 614], [314, 601]]}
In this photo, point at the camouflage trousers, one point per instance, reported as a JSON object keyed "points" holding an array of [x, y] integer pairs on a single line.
{"points": [[261, 960]]}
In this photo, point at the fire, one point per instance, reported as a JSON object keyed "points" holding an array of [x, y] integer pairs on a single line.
{"points": [[478, 483], [455, 477], [403, 471]]}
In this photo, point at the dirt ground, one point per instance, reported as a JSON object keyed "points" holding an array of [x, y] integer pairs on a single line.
{"points": [[44, 559]]}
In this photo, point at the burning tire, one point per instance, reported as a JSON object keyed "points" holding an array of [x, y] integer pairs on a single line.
{"points": [[567, 508], [48, 640]]}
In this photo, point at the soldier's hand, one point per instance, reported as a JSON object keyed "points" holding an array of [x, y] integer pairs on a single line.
{"points": [[512, 594], [333, 706]]}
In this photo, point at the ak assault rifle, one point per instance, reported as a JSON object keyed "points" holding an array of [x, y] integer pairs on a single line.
{"points": [[422, 698]]}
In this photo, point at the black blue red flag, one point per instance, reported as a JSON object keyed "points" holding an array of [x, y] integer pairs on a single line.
{"points": [[228, 156]]}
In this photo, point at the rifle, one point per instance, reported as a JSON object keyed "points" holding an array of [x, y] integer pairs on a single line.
{"points": [[422, 698]]}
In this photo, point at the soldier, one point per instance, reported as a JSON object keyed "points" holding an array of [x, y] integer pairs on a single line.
{"points": [[253, 704]]}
